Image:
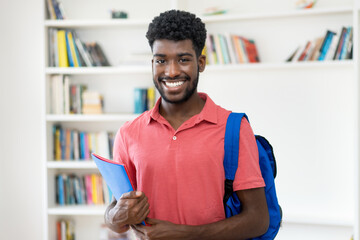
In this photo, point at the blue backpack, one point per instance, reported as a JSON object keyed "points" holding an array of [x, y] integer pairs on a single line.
{"points": [[267, 163]]}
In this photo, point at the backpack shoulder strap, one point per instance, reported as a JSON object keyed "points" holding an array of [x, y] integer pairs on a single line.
{"points": [[231, 144]]}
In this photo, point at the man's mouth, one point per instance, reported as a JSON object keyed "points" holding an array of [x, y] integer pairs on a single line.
{"points": [[174, 84]]}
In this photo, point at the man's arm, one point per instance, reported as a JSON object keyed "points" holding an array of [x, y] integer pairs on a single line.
{"points": [[253, 221], [132, 208]]}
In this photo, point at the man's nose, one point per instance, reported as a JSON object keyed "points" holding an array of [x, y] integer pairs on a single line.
{"points": [[173, 69]]}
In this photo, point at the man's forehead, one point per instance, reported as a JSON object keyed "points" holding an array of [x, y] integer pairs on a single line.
{"points": [[165, 46]]}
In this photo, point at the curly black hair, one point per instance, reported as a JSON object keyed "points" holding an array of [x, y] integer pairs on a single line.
{"points": [[178, 25]]}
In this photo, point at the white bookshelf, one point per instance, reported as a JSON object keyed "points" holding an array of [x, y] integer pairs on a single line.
{"points": [[291, 98], [68, 164], [77, 211], [91, 118], [131, 69]]}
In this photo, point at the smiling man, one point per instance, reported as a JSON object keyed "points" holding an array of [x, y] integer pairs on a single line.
{"points": [[174, 153]]}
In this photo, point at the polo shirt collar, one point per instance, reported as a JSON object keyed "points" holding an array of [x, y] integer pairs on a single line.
{"points": [[208, 113]]}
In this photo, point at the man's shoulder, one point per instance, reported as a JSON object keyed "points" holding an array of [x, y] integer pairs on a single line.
{"points": [[137, 122]]}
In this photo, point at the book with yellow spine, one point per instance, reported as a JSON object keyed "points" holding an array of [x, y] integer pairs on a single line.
{"points": [[72, 49], [63, 57]]}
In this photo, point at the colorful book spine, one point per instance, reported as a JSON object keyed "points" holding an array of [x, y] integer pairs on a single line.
{"points": [[63, 55]]}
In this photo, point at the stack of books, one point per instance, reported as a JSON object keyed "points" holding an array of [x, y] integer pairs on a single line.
{"points": [[70, 144], [67, 50], [89, 189], [230, 49], [332, 46], [55, 9], [144, 99], [65, 229], [92, 102], [67, 98]]}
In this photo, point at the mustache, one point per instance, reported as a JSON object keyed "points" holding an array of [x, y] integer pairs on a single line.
{"points": [[174, 78]]}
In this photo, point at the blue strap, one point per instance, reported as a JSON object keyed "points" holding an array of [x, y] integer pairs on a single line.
{"points": [[231, 145]]}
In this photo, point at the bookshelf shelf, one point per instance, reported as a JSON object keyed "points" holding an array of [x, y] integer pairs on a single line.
{"points": [[97, 23], [90, 118], [99, 70], [71, 164], [279, 66], [84, 210], [284, 14]]}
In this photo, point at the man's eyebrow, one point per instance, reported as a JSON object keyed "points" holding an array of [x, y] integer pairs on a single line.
{"points": [[185, 54], [179, 54], [159, 55]]}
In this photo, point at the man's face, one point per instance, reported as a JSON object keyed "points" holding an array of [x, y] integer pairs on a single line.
{"points": [[176, 69]]}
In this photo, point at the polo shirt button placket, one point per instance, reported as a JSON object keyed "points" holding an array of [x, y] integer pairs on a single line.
{"points": [[174, 137]]}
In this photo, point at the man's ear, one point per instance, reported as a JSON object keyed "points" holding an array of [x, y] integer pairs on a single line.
{"points": [[202, 63]]}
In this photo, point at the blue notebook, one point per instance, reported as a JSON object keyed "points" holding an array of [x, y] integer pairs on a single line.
{"points": [[114, 174]]}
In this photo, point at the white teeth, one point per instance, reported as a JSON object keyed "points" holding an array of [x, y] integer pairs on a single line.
{"points": [[174, 84]]}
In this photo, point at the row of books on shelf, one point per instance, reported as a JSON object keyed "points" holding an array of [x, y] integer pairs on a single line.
{"points": [[230, 49], [144, 99], [67, 50], [65, 229], [89, 189], [70, 144], [69, 98], [332, 46], [55, 9]]}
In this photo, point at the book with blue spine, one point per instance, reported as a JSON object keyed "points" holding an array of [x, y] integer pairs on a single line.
{"points": [[115, 175]]}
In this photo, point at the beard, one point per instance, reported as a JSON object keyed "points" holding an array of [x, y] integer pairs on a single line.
{"points": [[188, 92]]}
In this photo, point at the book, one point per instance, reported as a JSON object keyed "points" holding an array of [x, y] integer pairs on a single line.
{"points": [[240, 54], [332, 48], [72, 50], [231, 49], [350, 45], [314, 55], [51, 10], [219, 53], [63, 55], [340, 43], [140, 100], [344, 49], [68, 49], [305, 51], [83, 52], [114, 174], [326, 44], [291, 57]]}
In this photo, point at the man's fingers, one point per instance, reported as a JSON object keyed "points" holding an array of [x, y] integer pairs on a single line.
{"points": [[132, 194], [151, 221], [143, 213], [139, 231]]}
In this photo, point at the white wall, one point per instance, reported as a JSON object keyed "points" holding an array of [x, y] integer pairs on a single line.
{"points": [[20, 119]]}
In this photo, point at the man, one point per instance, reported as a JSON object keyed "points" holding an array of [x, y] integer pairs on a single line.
{"points": [[174, 152]]}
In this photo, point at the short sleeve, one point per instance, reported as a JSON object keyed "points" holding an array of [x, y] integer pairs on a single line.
{"points": [[120, 153], [248, 174]]}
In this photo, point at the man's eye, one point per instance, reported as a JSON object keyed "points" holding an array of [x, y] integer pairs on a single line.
{"points": [[184, 60], [160, 61]]}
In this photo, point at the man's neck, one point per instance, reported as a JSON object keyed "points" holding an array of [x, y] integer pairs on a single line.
{"points": [[177, 113]]}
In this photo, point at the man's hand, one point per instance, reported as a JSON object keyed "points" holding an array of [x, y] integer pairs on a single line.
{"points": [[161, 230], [132, 208]]}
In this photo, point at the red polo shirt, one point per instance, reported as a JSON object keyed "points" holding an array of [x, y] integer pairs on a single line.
{"points": [[181, 172]]}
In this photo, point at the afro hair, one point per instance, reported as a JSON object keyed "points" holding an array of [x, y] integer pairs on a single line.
{"points": [[178, 25]]}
